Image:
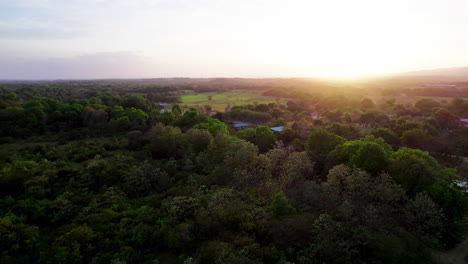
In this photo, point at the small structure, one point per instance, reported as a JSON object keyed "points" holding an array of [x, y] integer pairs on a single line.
{"points": [[165, 104], [277, 129], [314, 115], [464, 120], [164, 110], [241, 125]]}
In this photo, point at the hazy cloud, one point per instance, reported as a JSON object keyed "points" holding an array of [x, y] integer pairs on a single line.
{"points": [[228, 38], [9, 32], [89, 66]]}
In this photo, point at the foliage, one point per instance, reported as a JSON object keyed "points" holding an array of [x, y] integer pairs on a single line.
{"points": [[262, 136], [213, 125], [280, 205], [96, 172], [370, 154], [321, 142]]}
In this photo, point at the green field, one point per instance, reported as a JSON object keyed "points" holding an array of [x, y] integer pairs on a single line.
{"points": [[219, 101]]}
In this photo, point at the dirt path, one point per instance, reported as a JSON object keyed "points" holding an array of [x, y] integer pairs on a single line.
{"points": [[456, 255]]}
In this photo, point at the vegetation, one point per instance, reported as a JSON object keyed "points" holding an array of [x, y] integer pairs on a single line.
{"points": [[122, 172], [220, 101]]}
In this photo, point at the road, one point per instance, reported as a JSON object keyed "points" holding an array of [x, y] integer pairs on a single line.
{"points": [[457, 255]]}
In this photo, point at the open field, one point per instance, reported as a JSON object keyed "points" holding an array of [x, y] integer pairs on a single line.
{"points": [[219, 101]]}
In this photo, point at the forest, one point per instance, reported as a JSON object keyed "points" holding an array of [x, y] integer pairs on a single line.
{"points": [[120, 171]]}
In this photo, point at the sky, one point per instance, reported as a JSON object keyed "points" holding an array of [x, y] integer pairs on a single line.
{"points": [[89, 39]]}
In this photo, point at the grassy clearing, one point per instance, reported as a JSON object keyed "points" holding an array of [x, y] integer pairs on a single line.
{"points": [[219, 101]]}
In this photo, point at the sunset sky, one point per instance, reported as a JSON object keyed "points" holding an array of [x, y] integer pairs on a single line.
{"points": [[47, 39]]}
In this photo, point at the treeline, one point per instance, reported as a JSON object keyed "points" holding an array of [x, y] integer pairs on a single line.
{"points": [[461, 92]]}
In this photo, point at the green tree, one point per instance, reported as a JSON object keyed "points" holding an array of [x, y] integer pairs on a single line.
{"points": [[388, 135], [198, 140], [165, 141], [454, 205], [264, 138], [189, 119], [414, 169], [177, 110], [444, 118], [369, 154], [167, 118], [415, 138], [321, 142], [280, 205], [426, 104], [213, 125], [247, 134], [347, 131]]}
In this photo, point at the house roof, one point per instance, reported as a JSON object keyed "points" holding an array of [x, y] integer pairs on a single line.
{"points": [[241, 125], [277, 129]]}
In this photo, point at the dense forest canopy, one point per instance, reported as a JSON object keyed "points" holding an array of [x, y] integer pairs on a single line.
{"points": [[119, 171]]}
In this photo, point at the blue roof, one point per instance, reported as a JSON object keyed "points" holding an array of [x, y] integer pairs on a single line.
{"points": [[241, 125], [278, 129]]}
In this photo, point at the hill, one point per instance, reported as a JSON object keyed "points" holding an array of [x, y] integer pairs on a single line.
{"points": [[456, 74]]}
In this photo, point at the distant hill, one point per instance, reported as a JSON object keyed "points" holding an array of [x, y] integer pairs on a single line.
{"points": [[456, 74]]}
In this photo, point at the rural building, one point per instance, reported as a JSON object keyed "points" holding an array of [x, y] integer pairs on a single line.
{"points": [[240, 126], [277, 129]]}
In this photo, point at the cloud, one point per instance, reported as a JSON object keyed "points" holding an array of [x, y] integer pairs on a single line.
{"points": [[11, 32], [89, 66]]}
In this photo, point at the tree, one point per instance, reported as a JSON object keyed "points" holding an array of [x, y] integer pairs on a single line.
{"points": [[213, 125], [177, 110], [453, 202], [444, 118], [425, 218], [363, 154], [167, 118], [136, 101], [140, 180], [347, 131], [367, 103], [454, 205], [189, 119], [288, 166], [414, 169], [247, 134], [426, 104], [96, 119], [136, 116], [321, 142], [264, 138], [117, 112], [415, 138], [198, 140], [165, 141], [280, 205], [386, 134]]}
